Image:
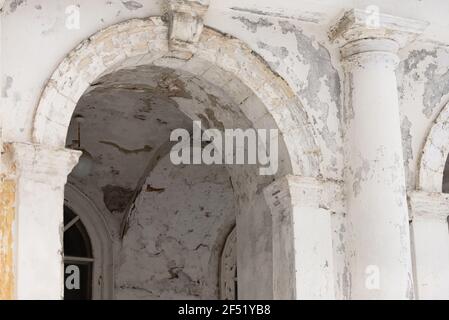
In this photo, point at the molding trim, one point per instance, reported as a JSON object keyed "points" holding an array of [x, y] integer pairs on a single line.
{"points": [[356, 24], [430, 205], [290, 191], [186, 25], [40, 163]]}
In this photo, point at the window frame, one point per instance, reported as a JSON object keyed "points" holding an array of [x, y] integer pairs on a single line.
{"points": [[100, 238]]}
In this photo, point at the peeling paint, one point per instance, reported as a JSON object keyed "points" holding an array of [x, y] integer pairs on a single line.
{"points": [[7, 86], [132, 5], [313, 17], [253, 25], [14, 4], [415, 57], [436, 86], [322, 74], [360, 175]]}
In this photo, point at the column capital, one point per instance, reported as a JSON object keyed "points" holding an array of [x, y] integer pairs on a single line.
{"points": [[429, 205], [361, 31], [40, 163], [290, 191]]}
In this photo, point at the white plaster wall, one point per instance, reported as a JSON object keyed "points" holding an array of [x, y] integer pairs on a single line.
{"points": [[423, 84], [175, 237]]}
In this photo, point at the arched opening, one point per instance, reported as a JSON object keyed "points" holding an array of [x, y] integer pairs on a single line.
{"points": [[170, 221], [130, 93]]}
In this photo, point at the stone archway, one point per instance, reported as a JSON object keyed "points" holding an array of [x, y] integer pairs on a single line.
{"points": [[262, 96], [219, 58]]}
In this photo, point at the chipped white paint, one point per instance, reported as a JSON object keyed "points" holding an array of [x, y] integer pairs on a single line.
{"points": [[101, 241], [176, 234], [186, 24], [125, 45], [302, 242], [228, 268], [374, 173]]}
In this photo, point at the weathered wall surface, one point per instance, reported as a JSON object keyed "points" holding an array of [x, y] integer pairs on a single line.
{"points": [[176, 233], [423, 84]]}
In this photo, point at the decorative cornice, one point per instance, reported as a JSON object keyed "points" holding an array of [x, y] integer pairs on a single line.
{"points": [[40, 163], [358, 24], [428, 205], [186, 25], [294, 191]]}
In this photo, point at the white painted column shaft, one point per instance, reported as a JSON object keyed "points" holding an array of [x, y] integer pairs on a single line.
{"points": [[41, 174], [380, 256]]}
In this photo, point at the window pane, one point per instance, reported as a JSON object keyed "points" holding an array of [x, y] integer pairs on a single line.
{"points": [[77, 242], [68, 215], [85, 288]]}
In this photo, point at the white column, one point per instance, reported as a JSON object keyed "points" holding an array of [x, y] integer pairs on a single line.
{"points": [[430, 239], [302, 237], [379, 255], [40, 174]]}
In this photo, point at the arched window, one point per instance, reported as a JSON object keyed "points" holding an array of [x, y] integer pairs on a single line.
{"points": [[78, 258], [228, 268], [87, 244]]}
